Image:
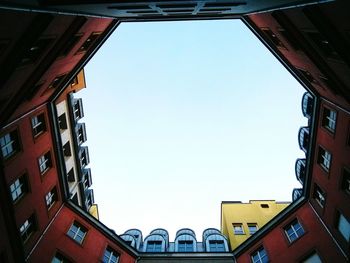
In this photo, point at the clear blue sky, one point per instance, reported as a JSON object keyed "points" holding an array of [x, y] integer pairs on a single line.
{"points": [[183, 115]]}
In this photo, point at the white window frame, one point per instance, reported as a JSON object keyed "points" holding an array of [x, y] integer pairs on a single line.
{"points": [[110, 256], [76, 230], [238, 229]]}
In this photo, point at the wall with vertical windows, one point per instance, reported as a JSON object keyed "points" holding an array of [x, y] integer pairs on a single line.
{"points": [[293, 239], [239, 221]]}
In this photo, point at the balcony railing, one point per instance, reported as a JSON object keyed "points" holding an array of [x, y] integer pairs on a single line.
{"points": [[307, 105], [300, 170]]}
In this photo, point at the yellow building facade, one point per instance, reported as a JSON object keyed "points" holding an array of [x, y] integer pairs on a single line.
{"points": [[240, 220]]}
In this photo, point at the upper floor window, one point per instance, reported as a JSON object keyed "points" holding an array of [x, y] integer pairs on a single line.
{"points": [[51, 197], [27, 228], [324, 158], [329, 119], [44, 162], [346, 180], [9, 144], [77, 232], [89, 42], [238, 229], [343, 225], [78, 109], [294, 230], [62, 121], [185, 246], [70, 175], [69, 45], [319, 195], [260, 256], [59, 258], [217, 246], [66, 149], [19, 187], [154, 246], [33, 52], [110, 256], [38, 124], [252, 228]]}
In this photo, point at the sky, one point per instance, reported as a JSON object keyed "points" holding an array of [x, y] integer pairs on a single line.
{"points": [[183, 115]]}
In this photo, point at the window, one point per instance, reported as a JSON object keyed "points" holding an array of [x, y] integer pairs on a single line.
{"points": [[70, 176], [81, 133], [78, 109], [294, 231], [260, 256], [32, 54], [77, 232], [27, 228], [19, 188], [56, 82], [44, 162], [9, 144], [66, 149], [59, 258], [75, 199], [273, 38], [38, 124], [343, 225], [185, 246], [346, 180], [252, 228], [324, 158], [264, 206], [154, 246], [319, 195], [238, 229], [217, 246], [329, 119], [51, 197], [69, 45], [110, 256], [62, 121], [313, 258], [88, 42]]}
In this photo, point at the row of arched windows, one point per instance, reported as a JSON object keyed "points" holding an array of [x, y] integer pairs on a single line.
{"points": [[185, 241]]}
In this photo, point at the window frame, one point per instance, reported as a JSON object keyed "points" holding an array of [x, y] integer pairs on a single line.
{"points": [[217, 244], [322, 159], [186, 246], [337, 226], [295, 231], [80, 229], [327, 122], [10, 139], [155, 244], [252, 225], [345, 180], [24, 185], [29, 224], [257, 252], [319, 191], [234, 225], [51, 198], [37, 123], [112, 252], [45, 160]]}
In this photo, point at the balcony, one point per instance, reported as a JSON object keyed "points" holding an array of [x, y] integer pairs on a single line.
{"points": [[80, 131], [300, 170], [89, 198], [307, 105], [304, 138], [297, 193], [84, 156], [86, 180], [78, 110]]}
